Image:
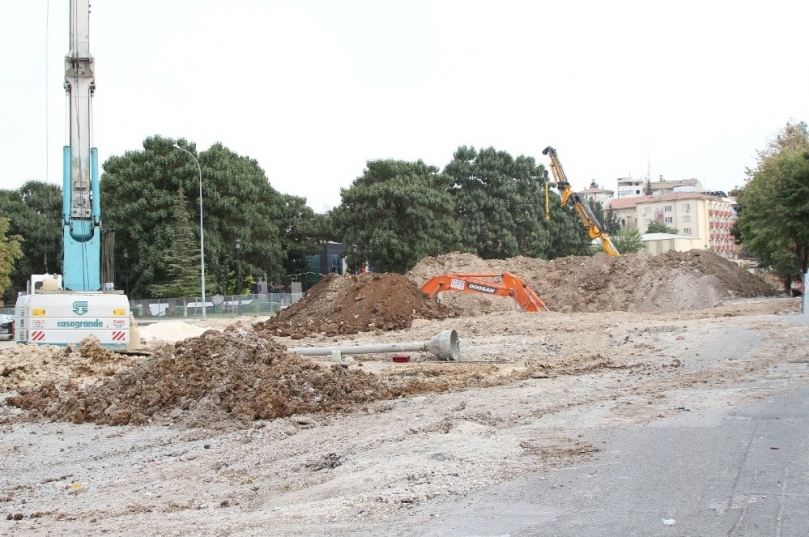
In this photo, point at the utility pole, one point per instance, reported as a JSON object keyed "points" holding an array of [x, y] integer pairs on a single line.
{"points": [[239, 270]]}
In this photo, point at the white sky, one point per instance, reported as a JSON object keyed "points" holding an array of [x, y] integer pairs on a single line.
{"points": [[314, 89]]}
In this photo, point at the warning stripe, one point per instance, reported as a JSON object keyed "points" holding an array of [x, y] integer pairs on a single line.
{"points": [[37, 335], [118, 335]]}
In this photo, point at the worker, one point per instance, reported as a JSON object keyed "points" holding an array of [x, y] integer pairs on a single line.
{"points": [[797, 288]]}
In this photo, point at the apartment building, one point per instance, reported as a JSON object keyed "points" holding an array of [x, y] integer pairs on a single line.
{"points": [[629, 187], [595, 193], [703, 219]]}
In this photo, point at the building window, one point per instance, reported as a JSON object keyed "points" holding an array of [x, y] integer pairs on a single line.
{"points": [[669, 220], [686, 231], [687, 218], [647, 210], [667, 208], [647, 221], [686, 206]]}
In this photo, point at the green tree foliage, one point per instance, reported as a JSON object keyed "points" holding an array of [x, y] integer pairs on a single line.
{"points": [[500, 208], [657, 227], [628, 241], [611, 222], [302, 231], [138, 196], [182, 259], [34, 212], [775, 203], [396, 213], [10, 251]]}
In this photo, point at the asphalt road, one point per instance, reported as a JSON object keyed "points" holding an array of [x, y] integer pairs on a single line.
{"points": [[741, 472]]}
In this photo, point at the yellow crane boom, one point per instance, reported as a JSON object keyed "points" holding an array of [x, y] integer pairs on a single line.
{"points": [[582, 209]]}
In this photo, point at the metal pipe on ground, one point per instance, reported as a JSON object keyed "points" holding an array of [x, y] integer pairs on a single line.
{"points": [[444, 345]]}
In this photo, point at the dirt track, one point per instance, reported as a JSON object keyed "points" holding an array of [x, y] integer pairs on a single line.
{"points": [[393, 438]]}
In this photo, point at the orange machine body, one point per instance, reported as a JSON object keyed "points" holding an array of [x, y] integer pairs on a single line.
{"points": [[482, 283]]}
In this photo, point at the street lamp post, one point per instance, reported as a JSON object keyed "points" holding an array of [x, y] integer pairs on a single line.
{"points": [[239, 278], [126, 264], [227, 281], [201, 232]]}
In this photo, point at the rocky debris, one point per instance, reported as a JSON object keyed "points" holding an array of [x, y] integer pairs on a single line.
{"points": [[224, 379], [670, 282], [24, 366], [352, 304], [217, 377]]}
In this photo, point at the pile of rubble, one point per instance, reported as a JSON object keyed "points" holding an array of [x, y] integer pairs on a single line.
{"points": [[352, 304], [674, 281]]}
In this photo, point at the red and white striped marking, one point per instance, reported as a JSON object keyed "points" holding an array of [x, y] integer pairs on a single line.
{"points": [[37, 335], [117, 335]]}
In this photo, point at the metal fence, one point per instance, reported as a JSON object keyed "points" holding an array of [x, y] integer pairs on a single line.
{"points": [[216, 307]]}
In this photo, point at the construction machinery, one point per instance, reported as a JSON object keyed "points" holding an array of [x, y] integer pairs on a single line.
{"points": [[66, 308], [482, 283], [582, 209]]}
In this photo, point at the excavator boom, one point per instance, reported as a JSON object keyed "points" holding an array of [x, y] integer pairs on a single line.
{"points": [[586, 215], [511, 285]]}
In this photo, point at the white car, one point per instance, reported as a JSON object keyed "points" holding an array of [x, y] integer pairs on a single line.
{"points": [[6, 327]]}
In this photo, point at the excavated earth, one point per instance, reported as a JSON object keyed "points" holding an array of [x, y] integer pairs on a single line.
{"points": [[673, 281], [352, 304], [231, 423]]}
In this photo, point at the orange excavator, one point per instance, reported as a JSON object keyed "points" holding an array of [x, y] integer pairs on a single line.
{"points": [[512, 286]]}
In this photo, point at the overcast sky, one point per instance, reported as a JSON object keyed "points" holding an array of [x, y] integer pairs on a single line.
{"points": [[314, 89]]}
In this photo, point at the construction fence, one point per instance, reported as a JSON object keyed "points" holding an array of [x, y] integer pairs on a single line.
{"points": [[217, 306]]}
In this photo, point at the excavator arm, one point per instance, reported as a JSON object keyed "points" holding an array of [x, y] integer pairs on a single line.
{"points": [[582, 209], [512, 286]]}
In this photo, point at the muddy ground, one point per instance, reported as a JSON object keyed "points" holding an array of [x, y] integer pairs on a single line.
{"points": [[226, 433]]}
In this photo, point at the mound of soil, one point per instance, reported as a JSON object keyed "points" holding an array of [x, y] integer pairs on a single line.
{"points": [[217, 377], [674, 281], [24, 366], [224, 379], [353, 304]]}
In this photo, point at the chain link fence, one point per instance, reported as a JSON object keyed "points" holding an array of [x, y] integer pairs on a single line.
{"points": [[216, 307]]}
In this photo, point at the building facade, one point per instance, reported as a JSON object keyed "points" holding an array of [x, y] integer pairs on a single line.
{"points": [[703, 219], [596, 193]]}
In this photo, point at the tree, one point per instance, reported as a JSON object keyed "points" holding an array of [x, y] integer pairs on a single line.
{"points": [[396, 213], [775, 203], [657, 227], [34, 212], [182, 259], [10, 251], [500, 208], [628, 241], [138, 196], [611, 222], [301, 232]]}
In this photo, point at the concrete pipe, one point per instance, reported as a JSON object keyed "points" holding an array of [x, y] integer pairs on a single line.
{"points": [[444, 345]]}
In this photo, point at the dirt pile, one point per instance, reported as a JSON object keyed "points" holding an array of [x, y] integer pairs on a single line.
{"points": [[217, 377], [24, 366], [674, 281], [225, 379], [353, 304]]}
